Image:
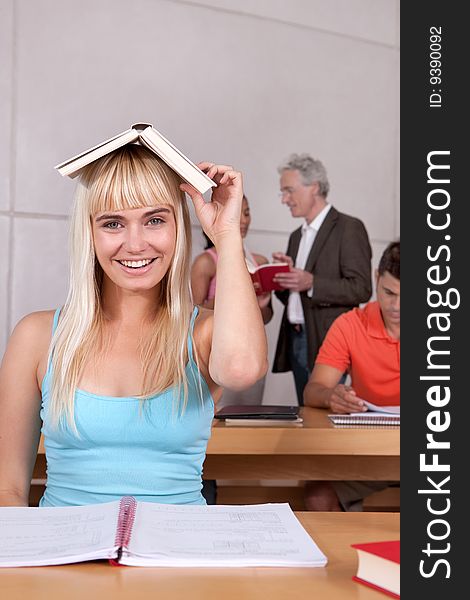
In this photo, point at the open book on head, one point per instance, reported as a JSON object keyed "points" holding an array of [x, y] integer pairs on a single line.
{"points": [[146, 135], [263, 276], [128, 532]]}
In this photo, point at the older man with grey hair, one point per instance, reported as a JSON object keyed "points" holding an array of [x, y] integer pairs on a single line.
{"points": [[330, 259]]}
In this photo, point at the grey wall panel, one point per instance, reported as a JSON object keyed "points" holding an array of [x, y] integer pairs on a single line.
{"points": [[5, 266], [248, 103], [372, 20], [240, 82], [6, 99], [40, 265]]}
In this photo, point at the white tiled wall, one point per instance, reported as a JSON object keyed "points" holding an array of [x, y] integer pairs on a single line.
{"points": [[6, 99], [372, 20], [39, 265], [240, 81], [4, 271]]}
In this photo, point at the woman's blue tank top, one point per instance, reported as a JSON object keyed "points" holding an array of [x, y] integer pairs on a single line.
{"points": [[126, 446]]}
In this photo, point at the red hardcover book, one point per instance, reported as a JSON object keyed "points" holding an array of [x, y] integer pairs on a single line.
{"points": [[263, 277], [379, 566]]}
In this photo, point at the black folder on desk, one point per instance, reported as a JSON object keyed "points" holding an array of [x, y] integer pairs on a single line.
{"points": [[258, 411]]}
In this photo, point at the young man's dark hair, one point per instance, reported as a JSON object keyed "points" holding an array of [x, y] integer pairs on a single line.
{"points": [[390, 260]]}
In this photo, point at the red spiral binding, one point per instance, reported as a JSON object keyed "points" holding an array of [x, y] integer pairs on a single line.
{"points": [[127, 508]]}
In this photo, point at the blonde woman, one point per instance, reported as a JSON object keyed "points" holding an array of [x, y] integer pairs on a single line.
{"points": [[124, 391]]}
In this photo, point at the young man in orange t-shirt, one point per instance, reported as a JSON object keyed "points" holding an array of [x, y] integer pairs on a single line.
{"points": [[366, 343]]}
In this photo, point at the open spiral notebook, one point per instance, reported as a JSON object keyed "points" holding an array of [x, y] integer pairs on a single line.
{"points": [[130, 532], [374, 416]]}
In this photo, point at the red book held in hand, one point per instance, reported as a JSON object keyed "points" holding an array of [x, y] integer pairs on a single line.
{"points": [[263, 277], [379, 566]]}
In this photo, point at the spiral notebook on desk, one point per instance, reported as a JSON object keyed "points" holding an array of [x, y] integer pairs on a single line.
{"points": [[374, 416], [129, 532], [368, 418]]}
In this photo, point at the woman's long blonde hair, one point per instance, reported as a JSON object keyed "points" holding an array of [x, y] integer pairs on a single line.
{"points": [[131, 177]]}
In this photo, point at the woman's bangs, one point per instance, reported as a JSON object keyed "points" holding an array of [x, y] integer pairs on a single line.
{"points": [[135, 180]]}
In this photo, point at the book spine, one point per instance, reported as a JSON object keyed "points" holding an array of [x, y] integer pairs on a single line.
{"points": [[255, 278], [367, 422], [375, 587], [127, 508], [367, 425], [379, 421]]}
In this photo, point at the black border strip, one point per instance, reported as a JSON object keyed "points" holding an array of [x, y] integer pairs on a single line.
{"points": [[431, 567]]}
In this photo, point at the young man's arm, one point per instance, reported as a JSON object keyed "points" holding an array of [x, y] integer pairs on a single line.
{"points": [[324, 391]]}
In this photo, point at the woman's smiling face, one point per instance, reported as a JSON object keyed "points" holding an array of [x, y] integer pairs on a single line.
{"points": [[135, 247]]}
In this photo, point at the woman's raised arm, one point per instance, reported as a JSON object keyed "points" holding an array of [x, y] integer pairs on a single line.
{"points": [[238, 347]]}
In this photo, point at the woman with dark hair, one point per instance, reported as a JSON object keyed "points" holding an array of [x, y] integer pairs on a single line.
{"points": [[203, 271]]}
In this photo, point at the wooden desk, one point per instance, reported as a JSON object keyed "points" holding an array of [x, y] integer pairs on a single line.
{"points": [[315, 451], [333, 532]]}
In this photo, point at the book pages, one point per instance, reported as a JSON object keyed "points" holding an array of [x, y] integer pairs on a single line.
{"points": [[219, 535], [393, 410], [145, 135], [365, 419], [56, 536], [159, 535], [298, 422]]}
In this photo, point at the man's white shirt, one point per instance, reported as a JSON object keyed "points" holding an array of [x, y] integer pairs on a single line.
{"points": [[295, 313]]}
